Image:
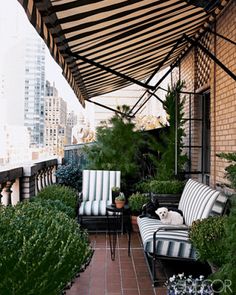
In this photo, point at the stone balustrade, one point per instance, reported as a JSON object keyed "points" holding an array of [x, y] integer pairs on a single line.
{"points": [[20, 183]]}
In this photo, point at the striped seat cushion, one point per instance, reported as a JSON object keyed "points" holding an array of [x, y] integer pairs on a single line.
{"points": [[169, 243], [96, 191]]}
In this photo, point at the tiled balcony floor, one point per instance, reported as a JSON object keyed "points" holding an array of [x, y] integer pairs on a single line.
{"points": [[124, 276]]}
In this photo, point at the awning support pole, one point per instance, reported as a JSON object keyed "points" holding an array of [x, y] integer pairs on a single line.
{"points": [[137, 102], [221, 36], [164, 59], [150, 95], [142, 105], [165, 75], [158, 98], [212, 56], [114, 72], [111, 109]]}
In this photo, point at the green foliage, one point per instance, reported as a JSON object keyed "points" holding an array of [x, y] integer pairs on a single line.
{"points": [[65, 194], [136, 202], [117, 148], [166, 146], [166, 186], [121, 197], [162, 186], [143, 186], [231, 169], [228, 270], [208, 237], [70, 175], [55, 204], [115, 189], [41, 250]]}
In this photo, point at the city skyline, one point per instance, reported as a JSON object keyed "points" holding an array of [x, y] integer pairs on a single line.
{"points": [[15, 26]]}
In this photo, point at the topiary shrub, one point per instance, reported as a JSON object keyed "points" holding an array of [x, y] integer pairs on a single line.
{"points": [[208, 237], [41, 250], [55, 204], [70, 175], [63, 193]]}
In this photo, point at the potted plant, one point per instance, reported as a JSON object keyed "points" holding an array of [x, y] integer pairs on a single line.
{"points": [[208, 237], [120, 201], [136, 202], [115, 191]]}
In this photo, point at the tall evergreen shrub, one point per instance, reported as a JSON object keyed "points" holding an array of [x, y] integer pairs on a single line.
{"points": [[117, 147], [174, 107]]}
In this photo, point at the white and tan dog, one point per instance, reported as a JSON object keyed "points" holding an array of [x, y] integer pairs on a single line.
{"points": [[169, 217]]}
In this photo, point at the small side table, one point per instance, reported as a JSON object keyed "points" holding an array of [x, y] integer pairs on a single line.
{"points": [[118, 220]]}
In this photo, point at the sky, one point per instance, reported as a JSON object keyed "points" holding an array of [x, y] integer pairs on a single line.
{"points": [[13, 20]]}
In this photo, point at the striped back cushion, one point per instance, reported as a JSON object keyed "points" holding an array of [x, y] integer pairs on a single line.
{"points": [[97, 184], [197, 201]]}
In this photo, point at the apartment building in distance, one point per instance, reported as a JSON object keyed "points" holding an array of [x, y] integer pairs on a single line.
{"points": [[55, 129], [71, 121], [34, 69]]}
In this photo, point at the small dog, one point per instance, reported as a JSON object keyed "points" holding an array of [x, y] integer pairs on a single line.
{"points": [[169, 217]]}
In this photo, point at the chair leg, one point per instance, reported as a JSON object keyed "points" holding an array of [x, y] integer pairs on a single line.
{"points": [[80, 219], [154, 275]]}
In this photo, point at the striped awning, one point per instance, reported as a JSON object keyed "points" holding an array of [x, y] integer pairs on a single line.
{"points": [[105, 45]]}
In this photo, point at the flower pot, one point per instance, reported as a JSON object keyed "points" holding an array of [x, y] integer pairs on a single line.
{"points": [[134, 223], [119, 204], [114, 194]]}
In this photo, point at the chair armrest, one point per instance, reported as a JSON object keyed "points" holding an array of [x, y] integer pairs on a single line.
{"points": [[80, 197], [78, 203]]}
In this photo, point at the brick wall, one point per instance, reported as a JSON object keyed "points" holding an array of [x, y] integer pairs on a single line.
{"points": [[222, 90], [224, 101]]}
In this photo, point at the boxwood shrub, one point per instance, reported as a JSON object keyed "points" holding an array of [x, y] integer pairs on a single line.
{"points": [[41, 250], [59, 192], [55, 204], [161, 186]]}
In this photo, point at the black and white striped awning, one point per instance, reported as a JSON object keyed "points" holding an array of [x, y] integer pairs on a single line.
{"points": [[105, 45]]}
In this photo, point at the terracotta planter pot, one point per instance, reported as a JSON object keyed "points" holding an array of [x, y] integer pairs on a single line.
{"points": [[135, 227], [114, 194], [119, 204]]}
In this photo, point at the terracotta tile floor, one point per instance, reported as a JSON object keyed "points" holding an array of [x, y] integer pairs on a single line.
{"points": [[123, 276]]}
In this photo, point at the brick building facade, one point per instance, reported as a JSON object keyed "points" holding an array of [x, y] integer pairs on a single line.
{"points": [[216, 99]]}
